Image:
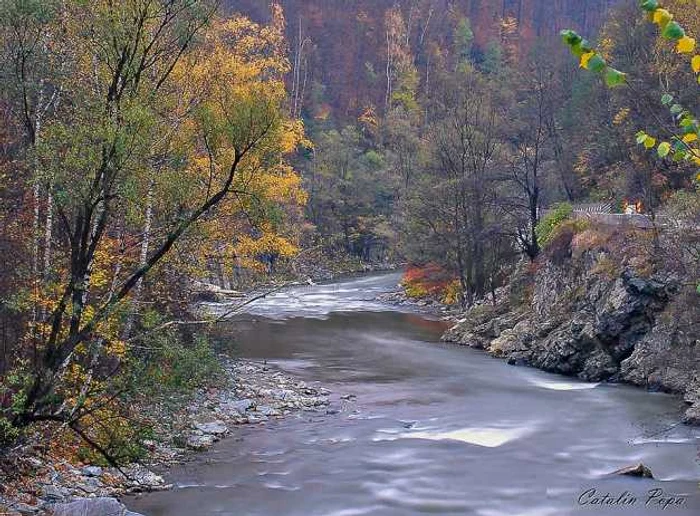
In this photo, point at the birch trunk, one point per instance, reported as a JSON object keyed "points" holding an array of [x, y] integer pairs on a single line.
{"points": [[143, 257], [48, 230], [37, 204]]}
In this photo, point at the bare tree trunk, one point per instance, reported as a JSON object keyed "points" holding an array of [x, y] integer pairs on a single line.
{"points": [[387, 100], [48, 230], [302, 95], [37, 205], [296, 73], [35, 231], [299, 85], [143, 257]]}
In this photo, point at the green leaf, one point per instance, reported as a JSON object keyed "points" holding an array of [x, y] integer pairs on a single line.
{"points": [[649, 5], [666, 99], [664, 149], [679, 155], [582, 47], [614, 77], [570, 37], [690, 128], [596, 64], [676, 108], [673, 31], [641, 137]]}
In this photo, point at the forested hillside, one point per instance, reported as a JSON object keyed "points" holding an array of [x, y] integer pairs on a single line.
{"points": [[344, 43]]}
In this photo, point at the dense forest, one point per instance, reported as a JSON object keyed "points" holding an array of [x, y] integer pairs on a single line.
{"points": [[148, 148], [342, 45]]}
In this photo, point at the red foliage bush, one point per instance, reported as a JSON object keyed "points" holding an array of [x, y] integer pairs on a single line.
{"points": [[429, 280]]}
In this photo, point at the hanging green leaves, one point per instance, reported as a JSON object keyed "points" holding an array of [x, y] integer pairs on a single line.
{"points": [[683, 146], [591, 60]]}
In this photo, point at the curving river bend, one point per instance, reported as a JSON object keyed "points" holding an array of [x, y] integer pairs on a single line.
{"points": [[434, 428]]}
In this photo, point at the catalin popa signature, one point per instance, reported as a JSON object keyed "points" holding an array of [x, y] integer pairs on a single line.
{"points": [[653, 498]]}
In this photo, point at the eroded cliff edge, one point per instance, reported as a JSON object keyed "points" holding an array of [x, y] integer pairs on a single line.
{"points": [[598, 305]]}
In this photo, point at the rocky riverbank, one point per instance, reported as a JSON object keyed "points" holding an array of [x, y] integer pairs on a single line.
{"points": [[37, 481], [399, 298], [594, 315]]}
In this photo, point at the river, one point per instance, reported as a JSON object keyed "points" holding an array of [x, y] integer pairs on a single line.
{"points": [[432, 428]]}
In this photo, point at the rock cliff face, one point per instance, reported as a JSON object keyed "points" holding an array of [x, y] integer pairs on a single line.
{"points": [[582, 318]]}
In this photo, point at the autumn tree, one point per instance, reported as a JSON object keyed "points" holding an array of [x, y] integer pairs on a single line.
{"points": [[452, 205], [533, 177], [170, 126], [673, 136]]}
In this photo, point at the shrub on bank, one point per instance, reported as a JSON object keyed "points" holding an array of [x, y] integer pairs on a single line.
{"points": [[546, 227], [431, 281]]}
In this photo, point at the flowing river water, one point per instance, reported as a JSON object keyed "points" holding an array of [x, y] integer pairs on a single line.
{"points": [[434, 428]]}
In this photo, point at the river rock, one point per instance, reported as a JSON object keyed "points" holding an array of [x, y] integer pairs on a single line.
{"points": [[638, 470], [35, 462], [282, 394], [22, 508], [252, 418], [91, 471], [241, 405], [212, 428], [206, 414], [92, 507], [200, 442], [267, 411], [692, 397], [52, 493], [141, 477]]}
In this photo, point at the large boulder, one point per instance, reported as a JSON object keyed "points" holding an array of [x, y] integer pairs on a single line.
{"points": [[638, 470]]}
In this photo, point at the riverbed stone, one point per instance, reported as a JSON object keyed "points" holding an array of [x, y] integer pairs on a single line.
{"points": [[637, 470], [267, 411], [242, 405], [91, 471], [200, 442], [253, 392], [141, 476], [217, 427], [281, 394], [92, 507], [23, 509], [52, 493]]}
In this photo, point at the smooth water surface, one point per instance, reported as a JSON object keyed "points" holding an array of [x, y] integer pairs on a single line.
{"points": [[434, 428]]}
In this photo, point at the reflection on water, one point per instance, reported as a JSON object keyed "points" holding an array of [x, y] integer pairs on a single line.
{"points": [[434, 428], [488, 437]]}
